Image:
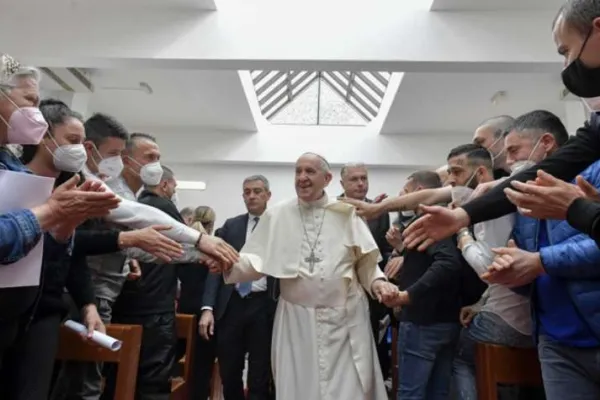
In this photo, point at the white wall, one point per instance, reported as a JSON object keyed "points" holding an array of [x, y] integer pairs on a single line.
{"points": [[224, 185]]}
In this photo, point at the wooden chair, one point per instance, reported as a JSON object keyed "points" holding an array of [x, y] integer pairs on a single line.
{"points": [[72, 347], [186, 326], [504, 365]]}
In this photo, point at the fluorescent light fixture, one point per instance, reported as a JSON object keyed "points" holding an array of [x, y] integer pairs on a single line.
{"points": [[191, 185]]}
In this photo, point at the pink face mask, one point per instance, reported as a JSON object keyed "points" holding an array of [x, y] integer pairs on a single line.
{"points": [[26, 125]]}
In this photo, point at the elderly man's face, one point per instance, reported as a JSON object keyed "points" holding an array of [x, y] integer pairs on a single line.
{"points": [[311, 179]]}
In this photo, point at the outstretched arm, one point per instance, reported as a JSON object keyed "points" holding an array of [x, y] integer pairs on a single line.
{"points": [[137, 216]]}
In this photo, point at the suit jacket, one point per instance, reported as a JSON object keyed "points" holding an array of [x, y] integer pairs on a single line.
{"points": [[379, 227], [216, 292]]}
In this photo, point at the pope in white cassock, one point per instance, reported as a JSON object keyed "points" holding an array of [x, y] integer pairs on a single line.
{"points": [[326, 259]]}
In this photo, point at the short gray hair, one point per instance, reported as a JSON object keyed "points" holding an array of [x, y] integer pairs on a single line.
{"points": [[323, 163], [187, 212], [579, 14], [351, 165], [258, 177], [501, 124], [11, 80]]}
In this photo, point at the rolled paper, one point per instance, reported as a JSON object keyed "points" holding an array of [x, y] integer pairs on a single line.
{"points": [[99, 338]]}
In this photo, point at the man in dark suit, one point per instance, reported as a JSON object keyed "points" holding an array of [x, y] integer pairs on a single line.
{"points": [[243, 313], [355, 182]]}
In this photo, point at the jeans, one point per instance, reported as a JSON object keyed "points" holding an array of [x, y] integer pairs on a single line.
{"points": [[568, 372], [425, 355], [79, 380], [486, 328]]}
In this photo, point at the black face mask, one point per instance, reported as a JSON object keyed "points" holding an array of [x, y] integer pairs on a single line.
{"points": [[580, 80]]}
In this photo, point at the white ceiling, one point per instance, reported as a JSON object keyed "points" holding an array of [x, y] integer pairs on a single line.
{"points": [[493, 5], [454, 102], [213, 99], [194, 4]]}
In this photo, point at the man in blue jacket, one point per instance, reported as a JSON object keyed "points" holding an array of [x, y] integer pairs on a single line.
{"points": [[563, 267]]}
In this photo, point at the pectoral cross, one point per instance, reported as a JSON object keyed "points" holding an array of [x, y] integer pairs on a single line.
{"points": [[312, 260]]}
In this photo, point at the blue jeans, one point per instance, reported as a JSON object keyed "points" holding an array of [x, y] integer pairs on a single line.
{"points": [[568, 372], [425, 355], [487, 328]]}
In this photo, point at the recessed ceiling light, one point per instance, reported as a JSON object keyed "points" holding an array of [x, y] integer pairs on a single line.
{"points": [[191, 185]]}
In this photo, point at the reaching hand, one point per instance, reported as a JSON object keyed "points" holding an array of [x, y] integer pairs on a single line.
{"points": [[513, 267], [547, 197], [219, 249], [152, 241], [214, 266], [393, 266], [385, 292], [438, 223], [365, 210], [73, 205], [380, 198], [394, 237]]}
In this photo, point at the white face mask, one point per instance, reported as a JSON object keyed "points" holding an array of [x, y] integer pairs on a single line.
{"points": [[495, 157], [523, 165], [175, 199], [461, 195], [111, 166], [69, 157], [151, 174]]}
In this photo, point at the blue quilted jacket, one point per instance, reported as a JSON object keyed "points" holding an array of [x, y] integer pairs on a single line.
{"points": [[572, 257]]}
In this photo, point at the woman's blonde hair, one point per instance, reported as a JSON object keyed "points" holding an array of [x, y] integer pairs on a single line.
{"points": [[204, 216]]}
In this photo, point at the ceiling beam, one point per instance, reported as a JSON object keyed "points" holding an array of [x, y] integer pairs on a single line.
{"points": [[252, 37]]}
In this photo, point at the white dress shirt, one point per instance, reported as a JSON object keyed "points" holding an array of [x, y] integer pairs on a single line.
{"points": [[261, 284]]}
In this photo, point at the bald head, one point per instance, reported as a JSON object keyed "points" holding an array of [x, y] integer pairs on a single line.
{"points": [[490, 133], [313, 175]]}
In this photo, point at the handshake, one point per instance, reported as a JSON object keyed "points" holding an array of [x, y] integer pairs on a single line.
{"points": [[218, 256]]}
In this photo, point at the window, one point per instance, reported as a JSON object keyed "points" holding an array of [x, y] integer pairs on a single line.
{"points": [[320, 98]]}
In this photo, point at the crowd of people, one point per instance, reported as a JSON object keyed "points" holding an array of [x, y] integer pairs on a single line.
{"points": [[498, 246]]}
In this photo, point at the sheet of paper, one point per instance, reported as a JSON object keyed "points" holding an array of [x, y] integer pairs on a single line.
{"points": [[20, 190], [99, 338]]}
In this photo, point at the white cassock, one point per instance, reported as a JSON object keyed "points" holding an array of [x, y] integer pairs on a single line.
{"points": [[323, 347]]}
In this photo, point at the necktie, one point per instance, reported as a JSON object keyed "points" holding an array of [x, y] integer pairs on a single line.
{"points": [[245, 288]]}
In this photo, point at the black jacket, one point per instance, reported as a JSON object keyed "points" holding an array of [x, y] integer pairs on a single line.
{"points": [[577, 154], [433, 280], [155, 291], [217, 294], [584, 215]]}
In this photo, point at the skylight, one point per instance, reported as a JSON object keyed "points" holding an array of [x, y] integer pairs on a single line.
{"points": [[320, 98]]}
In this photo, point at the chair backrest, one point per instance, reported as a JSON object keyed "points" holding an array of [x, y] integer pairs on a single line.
{"points": [[72, 347], [186, 326], [505, 365]]}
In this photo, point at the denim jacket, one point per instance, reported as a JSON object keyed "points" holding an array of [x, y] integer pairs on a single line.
{"points": [[19, 229]]}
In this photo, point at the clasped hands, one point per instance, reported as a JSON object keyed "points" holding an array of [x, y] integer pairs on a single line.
{"points": [[513, 267], [389, 294]]}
